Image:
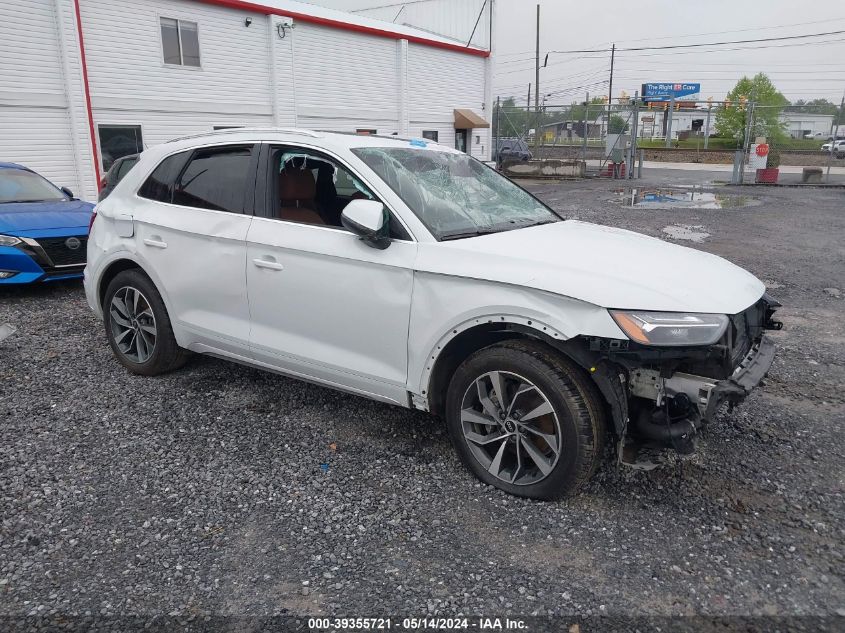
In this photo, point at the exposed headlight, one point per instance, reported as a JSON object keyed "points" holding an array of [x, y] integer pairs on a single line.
{"points": [[9, 240], [670, 328]]}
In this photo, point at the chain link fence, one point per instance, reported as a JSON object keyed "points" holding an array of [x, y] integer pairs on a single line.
{"points": [[802, 143]]}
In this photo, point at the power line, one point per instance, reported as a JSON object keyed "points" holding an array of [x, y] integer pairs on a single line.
{"points": [[702, 44]]}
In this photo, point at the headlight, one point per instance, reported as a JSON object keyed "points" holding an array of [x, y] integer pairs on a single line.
{"points": [[9, 240], [670, 328]]}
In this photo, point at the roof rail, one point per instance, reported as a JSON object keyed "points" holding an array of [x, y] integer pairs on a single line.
{"points": [[236, 130]]}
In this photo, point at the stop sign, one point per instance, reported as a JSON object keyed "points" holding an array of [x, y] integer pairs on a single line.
{"points": [[762, 149]]}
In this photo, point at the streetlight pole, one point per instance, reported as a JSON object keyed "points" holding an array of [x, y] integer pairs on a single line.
{"points": [[537, 89]]}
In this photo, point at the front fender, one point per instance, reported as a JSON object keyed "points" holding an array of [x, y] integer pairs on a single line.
{"points": [[444, 307]]}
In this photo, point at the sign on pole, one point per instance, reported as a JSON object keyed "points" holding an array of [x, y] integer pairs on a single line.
{"points": [[758, 156], [666, 91]]}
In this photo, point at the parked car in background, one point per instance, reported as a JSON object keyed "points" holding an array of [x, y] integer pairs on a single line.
{"points": [[413, 274], [120, 167], [511, 149], [838, 148], [43, 228]]}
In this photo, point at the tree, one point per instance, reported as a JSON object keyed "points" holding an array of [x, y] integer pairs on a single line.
{"points": [[769, 102], [814, 106], [617, 125]]}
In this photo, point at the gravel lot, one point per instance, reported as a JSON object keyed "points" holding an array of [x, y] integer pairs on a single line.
{"points": [[206, 491]]}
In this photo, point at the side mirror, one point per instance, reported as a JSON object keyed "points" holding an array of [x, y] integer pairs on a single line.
{"points": [[67, 192], [369, 220]]}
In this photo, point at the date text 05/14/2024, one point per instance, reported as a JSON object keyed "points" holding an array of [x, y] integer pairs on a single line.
{"points": [[416, 624]]}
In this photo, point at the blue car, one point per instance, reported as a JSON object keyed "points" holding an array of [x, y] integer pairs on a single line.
{"points": [[43, 228]]}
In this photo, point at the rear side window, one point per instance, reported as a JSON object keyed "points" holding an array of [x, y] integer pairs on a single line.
{"points": [[215, 178], [159, 186]]}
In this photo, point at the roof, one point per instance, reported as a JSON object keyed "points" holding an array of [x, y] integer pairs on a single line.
{"points": [[335, 140], [12, 166], [334, 18]]}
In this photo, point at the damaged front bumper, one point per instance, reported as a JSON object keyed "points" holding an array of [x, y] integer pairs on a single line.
{"points": [[673, 408], [707, 393]]}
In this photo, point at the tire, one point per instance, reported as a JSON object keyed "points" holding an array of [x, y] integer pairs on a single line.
{"points": [[552, 403], [147, 320]]}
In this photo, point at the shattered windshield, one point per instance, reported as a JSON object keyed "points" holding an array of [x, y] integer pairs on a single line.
{"points": [[454, 195]]}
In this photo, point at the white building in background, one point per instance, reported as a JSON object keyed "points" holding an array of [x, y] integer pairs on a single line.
{"points": [[83, 82]]}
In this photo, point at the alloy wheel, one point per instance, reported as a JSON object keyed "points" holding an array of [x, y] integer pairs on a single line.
{"points": [[511, 428], [133, 324]]}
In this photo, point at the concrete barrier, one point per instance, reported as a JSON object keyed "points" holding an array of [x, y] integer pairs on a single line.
{"points": [[548, 168]]}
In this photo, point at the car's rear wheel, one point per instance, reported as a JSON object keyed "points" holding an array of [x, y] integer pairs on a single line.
{"points": [[526, 420], [138, 327]]}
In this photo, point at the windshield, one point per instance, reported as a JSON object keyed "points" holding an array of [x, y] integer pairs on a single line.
{"points": [[454, 195], [20, 185]]}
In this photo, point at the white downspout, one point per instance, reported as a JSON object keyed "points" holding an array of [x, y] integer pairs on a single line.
{"points": [[488, 83], [404, 124], [71, 110], [274, 77]]}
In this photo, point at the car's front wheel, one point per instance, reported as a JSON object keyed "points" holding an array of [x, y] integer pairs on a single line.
{"points": [[138, 327], [526, 420]]}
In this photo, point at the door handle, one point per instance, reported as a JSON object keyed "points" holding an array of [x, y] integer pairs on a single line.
{"points": [[266, 263], [156, 243]]}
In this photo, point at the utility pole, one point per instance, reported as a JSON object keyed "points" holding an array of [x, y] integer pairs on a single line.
{"points": [[610, 85], [707, 125], [527, 114], [669, 121], [834, 135], [498, 121], [586, 124], [537, 89]]}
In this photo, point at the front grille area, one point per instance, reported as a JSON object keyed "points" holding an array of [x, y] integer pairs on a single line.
{"points": [[59, 252]]}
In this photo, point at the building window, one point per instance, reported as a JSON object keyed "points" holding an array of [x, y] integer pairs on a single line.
{"points": [[180, 42], [227, 127], [431, 135], [119, 140], [363, 132]]}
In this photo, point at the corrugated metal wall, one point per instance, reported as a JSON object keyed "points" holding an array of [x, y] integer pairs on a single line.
{"points": [[345, 80], [314, 76], [35, 122], [440, 81]]}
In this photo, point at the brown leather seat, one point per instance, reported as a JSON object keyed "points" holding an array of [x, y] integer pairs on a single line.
{"points": [[297, 191]]}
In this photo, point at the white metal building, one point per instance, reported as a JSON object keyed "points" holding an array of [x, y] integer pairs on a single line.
{"points": [[83, 82]]}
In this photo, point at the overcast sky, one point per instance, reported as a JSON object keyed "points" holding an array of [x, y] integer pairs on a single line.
{"points": [[801, 69]]}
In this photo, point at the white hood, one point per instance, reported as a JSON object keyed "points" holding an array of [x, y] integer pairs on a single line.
{"points": [[605, 266]]}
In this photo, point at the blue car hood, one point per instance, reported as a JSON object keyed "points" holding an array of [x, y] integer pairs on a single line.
{"points": [[28, 218]]}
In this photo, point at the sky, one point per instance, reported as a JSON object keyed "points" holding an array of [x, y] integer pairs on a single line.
{"points": [[801, 69]]}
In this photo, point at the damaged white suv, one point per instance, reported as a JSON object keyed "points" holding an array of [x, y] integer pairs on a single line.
{"points": [[411, 273]]}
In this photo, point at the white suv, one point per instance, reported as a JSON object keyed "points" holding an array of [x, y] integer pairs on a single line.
{"points": [[411, 273]]}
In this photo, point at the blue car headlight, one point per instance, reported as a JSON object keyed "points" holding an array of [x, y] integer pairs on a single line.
{"points": [[9, 240]]}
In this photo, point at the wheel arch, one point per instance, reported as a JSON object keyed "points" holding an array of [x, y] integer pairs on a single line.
{"points": [[475, 334], [119, 263], [470, 336]]}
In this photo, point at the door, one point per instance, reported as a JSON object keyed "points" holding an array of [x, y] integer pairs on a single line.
{"points": [[461, 140], [324, 305], [193, 235]]}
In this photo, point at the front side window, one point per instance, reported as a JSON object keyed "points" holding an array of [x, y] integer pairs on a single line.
{"points": [[117, 141], [215, 178], [20, 185], [311, 188], [180, 42], [455, 195]]}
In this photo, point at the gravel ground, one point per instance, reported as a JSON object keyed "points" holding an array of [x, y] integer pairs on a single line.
{"points": [[224, 490]]}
